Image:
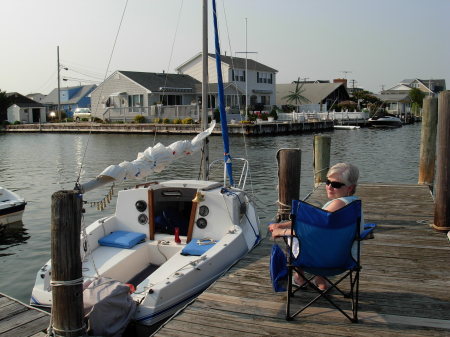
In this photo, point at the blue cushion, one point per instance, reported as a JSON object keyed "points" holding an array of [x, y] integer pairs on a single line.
{"points": [[122, 239], [197, 247]]}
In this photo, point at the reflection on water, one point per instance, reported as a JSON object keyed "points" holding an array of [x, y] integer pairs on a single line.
{"points": [[37, 165], [12, 235]]}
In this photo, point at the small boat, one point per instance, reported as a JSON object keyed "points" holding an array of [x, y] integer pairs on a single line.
{"points": [[347, 127], [12, 207], [167, 240], [386, 121]]}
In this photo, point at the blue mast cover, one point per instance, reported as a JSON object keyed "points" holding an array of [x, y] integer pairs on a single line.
{"points": [[223, 116]]}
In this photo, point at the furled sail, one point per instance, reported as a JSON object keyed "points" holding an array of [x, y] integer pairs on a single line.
{"points": [[153, 159]]}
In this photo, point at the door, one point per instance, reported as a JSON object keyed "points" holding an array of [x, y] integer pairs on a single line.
{"points": [[36, 115]]}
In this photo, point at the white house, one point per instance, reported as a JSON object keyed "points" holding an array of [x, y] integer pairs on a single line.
{"points": [[249, 76], [25, 110]]}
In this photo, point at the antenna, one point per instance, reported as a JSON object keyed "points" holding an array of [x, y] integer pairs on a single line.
{"points": [[345, 72], [246, 70]]}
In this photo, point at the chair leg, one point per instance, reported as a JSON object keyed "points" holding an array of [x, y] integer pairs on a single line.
{"points": [[289, 294]]}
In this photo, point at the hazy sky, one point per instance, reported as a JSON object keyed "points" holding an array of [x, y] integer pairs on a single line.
{"points": [[378, 42]]}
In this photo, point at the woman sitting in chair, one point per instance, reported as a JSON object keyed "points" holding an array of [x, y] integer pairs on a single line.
{"points": [[341, 183]]}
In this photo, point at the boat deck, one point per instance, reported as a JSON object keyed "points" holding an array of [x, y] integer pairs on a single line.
{"points": [[18, 319], [403, 289]]}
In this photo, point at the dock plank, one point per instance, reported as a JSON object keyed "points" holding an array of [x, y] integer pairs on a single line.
{"points": [[19, 319], [403, 286]]}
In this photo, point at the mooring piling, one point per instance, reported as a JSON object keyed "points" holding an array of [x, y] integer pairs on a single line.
{"points": [[289, 168], [67, 279], [442, 193], [427, 157], [321, 164]]}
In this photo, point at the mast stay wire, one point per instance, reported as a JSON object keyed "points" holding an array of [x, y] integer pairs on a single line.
{"points": [[237, 94], [100, 95]]}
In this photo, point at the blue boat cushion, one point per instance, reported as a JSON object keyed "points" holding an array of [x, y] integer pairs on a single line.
{"points": [[122, 239], [197, 247]]}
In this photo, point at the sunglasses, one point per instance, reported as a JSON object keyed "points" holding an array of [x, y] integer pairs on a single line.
{"points": [[334, 184]]}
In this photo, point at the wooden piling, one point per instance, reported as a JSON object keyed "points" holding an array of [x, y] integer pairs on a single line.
{"points": [[67, 290], [428, 141], [289, 167], [442, 195], [321, 164]]}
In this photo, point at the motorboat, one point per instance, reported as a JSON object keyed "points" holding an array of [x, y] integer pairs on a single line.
{"points": [[168, 241], [12, 207], [386, 121]]}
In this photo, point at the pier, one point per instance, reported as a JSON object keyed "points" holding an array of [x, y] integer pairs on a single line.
{"points": [[403, 287], [18, 319], [264, 128]]}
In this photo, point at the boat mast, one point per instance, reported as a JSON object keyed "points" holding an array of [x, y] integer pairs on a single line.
{"points": [[205, 157]]}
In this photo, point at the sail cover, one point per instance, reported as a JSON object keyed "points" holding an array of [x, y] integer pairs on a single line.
{"points": [[155, 158]]}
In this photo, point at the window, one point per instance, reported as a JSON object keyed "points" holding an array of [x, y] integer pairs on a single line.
{"points": [[262, 77], [135, 100], [238, 75]]}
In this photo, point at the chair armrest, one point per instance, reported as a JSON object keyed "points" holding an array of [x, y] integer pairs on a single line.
{"points": [[367, 233]]}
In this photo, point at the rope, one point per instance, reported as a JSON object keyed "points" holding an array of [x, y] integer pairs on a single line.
{"points": [[99, 96], [67, 283]]}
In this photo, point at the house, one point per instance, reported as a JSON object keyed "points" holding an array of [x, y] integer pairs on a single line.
{"points": [[37, 97], [70, 98], [251, 78], [429, 87], [397, 99], [320, 96], [25, 110], [125, 94]]}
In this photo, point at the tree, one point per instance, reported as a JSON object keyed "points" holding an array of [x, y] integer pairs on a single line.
{"points": [[416, 96], [296, 96], [5, 102]]}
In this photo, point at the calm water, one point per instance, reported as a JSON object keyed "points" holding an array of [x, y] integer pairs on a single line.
{"points": [[37, 165]]}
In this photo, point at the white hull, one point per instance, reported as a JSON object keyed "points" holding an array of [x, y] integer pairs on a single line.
{"points": [[165, 280], [11, 207], [385, 122]]}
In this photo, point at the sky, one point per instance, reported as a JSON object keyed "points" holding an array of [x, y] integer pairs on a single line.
{"points": [[375, 43]]}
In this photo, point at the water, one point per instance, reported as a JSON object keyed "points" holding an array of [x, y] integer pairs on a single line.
{"points": [[37, 165]]}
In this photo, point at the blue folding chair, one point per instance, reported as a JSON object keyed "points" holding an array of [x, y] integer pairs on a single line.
{"points": [[325, 249]]}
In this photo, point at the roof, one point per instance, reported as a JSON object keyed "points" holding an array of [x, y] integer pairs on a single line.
{"points": [[393, 98], [438, 84], [52, 98], [23, 101], [314, 92], [229, 88], [235, 63], [156, 82], [239, 63]]}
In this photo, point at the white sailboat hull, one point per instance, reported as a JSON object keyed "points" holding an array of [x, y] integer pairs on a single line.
{"points": [[166, 280], [12, 207]]}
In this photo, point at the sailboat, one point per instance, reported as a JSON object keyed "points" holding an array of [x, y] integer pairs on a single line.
{"points": [[167, 240]]}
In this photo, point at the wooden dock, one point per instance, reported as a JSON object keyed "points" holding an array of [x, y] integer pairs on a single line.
{"points": [[404, 288], [265, 128], [20, 320]]}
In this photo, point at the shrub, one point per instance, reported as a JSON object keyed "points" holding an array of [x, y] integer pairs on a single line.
{"points": [[99, 120], [177, 121], [17, 122], [69, 119], [187, 120], [139, 119], [82, 119], [157, 120], [5, 123], [166, 121]]}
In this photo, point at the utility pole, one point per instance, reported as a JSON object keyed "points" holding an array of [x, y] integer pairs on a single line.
{"points": [[345, 72], [246, 52], [59, 86]]}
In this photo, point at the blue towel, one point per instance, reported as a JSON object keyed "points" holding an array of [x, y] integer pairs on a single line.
{"points": [[122, 239], [196, 249]]}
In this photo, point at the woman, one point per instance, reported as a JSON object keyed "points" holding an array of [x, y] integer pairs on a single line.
{"points": [[341, 183]]}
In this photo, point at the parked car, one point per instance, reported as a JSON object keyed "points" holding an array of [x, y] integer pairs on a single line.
{"points": [[81, 113]]}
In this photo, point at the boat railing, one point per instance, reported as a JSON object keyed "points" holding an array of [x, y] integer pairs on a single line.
{"points": [[243, 175]]}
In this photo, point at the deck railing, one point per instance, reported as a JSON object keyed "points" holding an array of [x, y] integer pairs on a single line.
{"points": [[127, 114]]}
